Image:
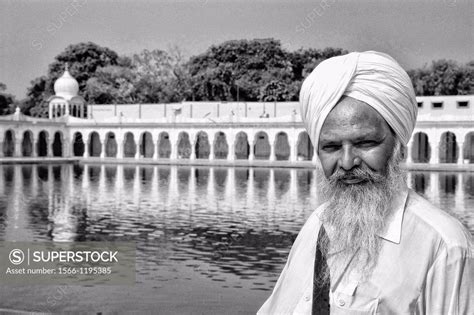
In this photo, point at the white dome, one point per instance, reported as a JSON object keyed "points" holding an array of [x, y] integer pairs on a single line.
{"points": [[66, 86]]}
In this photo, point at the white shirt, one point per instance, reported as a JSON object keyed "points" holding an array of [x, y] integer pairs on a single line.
{"points": [[425, 267]]}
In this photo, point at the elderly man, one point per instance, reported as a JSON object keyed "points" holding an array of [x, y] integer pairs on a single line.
{"points": [[373, 246]]}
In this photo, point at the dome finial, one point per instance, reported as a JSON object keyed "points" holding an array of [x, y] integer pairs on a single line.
{"points": [[66, 86]]}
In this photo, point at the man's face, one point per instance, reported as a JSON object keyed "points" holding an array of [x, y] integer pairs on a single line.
{"points": [[354, 135]]}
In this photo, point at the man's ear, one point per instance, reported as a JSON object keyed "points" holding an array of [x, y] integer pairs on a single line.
{"points": [[403, 152]]}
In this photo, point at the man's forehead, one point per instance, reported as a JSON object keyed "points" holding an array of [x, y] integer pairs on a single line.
{"points": [[349, 111], [355, 120]]}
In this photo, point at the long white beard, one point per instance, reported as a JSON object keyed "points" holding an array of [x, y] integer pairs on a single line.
{"points": [[356, 214]]}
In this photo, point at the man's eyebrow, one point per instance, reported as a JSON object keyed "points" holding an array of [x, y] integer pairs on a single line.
{"points": [[372, 136], [375, 136]]}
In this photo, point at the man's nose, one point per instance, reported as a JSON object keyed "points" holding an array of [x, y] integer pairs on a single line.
{"points": [[349, 159]]}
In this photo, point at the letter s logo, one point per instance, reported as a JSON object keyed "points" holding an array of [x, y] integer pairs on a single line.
{"points": [[16, 256]]}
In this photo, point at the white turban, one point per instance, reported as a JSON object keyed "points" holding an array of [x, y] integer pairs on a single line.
{"points": [[371, 77]]}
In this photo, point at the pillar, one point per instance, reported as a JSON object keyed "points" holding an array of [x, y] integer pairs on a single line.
{"points": [[211, 145], [251, 150], [49, 144], [102, 146], [156, 148], [137, 147], [461, 151], [119, 139], [315, 156], [231, 144], [193, 149], [66, 146], [17, 144], [174, 145], [34, 140], [85, 138], [272, 151], [435, 153], [293, 147], [409, 152]]}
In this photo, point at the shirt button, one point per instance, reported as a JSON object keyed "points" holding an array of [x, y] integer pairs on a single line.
{"points": [[341, 302], [307, 298]]}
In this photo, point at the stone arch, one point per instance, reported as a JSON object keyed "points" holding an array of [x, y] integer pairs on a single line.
{"points": [[164, 145], [184, 146], [147, 147], [129, 145], [58, 144], [241, 147], [221, 148], [305, 149], [27, 144], [420, 151], [448, 148], [261, 146], [110, 145], [282, 147], [94, 145], [468, 150], [78, 146], [42, 144], [202, 146], [9, 143]]}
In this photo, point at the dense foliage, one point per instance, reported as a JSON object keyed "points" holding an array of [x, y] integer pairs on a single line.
{"points": [[7, 101], [444, 77], [236, 70]]}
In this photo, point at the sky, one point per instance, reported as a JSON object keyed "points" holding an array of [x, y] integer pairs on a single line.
{"points": [[414, 32]]}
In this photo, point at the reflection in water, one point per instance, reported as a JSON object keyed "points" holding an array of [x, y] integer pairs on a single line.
{"points": [[233, 225], [468, 184], [420, 182], [447, 183]]}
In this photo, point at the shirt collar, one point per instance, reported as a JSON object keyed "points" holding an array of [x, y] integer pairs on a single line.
{"points": [[393, 230]]}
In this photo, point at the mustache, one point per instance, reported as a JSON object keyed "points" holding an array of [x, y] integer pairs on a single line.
{"points": [[364, 174]]}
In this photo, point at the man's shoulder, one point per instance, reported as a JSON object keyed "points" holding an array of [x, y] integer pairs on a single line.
{"points": [[436, 223]]}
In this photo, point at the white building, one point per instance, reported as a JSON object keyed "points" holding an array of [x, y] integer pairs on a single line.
{"points": [[444, 132]]}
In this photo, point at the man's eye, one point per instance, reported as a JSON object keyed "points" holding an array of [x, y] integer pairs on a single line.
{"points": [[330, 147], [367, 143]]}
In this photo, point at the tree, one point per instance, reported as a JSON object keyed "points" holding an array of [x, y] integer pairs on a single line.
{"points": [[83, 59], [112, 84], [7, 101], [237, 67], [443, 77], [253, 70], [303, 61], [161, 76]]}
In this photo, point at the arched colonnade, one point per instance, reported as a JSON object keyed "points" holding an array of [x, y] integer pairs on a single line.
{"points": [[428, 145]]}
